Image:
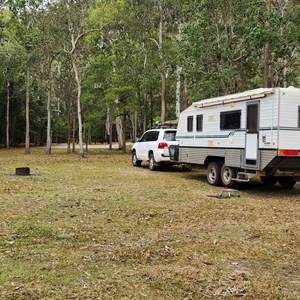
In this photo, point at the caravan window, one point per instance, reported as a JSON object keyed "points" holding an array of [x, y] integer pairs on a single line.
{"points": [[298, 116], [230, 120], [199, 124], [190, 121]]}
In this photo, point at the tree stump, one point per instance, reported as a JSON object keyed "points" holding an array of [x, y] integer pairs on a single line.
{"points": [[23, 171]]}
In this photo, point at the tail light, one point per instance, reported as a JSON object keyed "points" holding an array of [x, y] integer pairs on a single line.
{"points": [[162, 145], [286, 152]]}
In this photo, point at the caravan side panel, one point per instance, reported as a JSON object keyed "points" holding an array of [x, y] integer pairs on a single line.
{"points": [[268, 121], [289, 129], [193, 155], [233, 158], [266, 156], [211, 135]]}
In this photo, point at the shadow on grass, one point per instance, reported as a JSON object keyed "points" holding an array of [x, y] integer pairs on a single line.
{"points": [[165, 169], [255, 185]]}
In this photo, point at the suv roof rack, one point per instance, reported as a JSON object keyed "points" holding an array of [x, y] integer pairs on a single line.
{"points": [[166, 124]]}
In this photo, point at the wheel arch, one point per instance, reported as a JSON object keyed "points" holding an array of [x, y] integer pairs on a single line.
{"points": [[150, 152], [210, 159]]}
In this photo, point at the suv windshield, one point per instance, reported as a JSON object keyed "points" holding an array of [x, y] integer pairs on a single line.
{"points": [[169, 136]]}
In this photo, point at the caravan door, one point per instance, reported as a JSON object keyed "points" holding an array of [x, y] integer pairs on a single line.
{"points": [[251, 146]]}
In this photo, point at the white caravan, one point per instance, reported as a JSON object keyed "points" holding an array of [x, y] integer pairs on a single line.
{"points": [[238, 136]]}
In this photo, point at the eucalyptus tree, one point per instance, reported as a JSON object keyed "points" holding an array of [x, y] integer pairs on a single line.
{"points": [[284, 38], [9, 66], [221, 45], [76, 14], [52, 34], [156, 25], [6, 59], [142, 31], [112, 46], [267, 45], [227, 47], [64, 86], [22, 32], [159, 14]]}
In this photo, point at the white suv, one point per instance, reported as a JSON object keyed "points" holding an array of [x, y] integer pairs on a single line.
{"points": [[153, 146]]}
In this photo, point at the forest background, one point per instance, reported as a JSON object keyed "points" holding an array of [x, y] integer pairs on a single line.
{"points": [[82, 71]]}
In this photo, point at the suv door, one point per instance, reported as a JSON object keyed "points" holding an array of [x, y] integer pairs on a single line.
{"points": [[147, 143]]}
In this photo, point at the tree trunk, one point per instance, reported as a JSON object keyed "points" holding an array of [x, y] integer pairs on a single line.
{"points": [[163, 98], [73, 55], [73, 130], [7, 114], [108, 128], [86, 140], [124, 133], [89, 137], [284, 73], [135, 125], [218, 55], [119, 126], [178, 78], [69, 106], [151, 108], [266, 50], [162, 67], [266, 65], [146, 96], [69, 131], [185, 92], [27, 134], [49, 112], [79, 115]]}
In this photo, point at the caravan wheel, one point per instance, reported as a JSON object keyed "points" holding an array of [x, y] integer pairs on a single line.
{"points": [[213, 173], [268, 180], [287, 182], [227, 176]]}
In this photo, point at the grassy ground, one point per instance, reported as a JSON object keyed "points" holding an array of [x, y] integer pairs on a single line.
{"points": [[99, 228]]}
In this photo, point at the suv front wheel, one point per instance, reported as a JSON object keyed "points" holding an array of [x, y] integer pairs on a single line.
{"points": [[135, 161]]}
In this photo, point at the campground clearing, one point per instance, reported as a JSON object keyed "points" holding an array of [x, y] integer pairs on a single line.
{"points": [[99, 228]]}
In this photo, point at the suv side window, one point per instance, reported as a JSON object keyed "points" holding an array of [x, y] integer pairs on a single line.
{"points": [[169, 136], [154, 136], [150, 136]]}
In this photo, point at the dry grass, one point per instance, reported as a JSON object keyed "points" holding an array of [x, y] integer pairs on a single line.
{"points": [[99, 228]]}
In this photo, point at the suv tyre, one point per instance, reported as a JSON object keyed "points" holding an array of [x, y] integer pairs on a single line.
{"points": [[135, 161], [152, 166]]}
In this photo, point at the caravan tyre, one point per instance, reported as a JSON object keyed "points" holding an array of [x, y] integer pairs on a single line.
{"points": [[228, 174], [287, 182], [268, 180], [213, 173]]}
